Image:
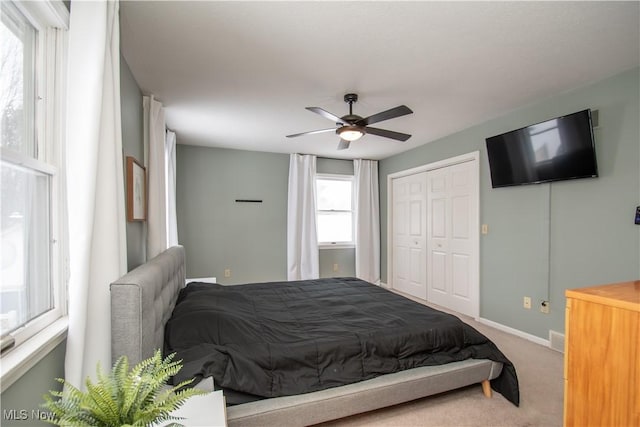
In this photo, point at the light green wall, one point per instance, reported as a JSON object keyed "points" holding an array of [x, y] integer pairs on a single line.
{"points": [[250, 239], [27, 393], [342, 167], [550, 236], [218, 233], [132, 145], [344, 259]]}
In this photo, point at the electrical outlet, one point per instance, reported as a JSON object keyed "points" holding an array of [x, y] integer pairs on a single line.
{"points": [[527, 303], [227, 272], [335, 267], [544, 307]]}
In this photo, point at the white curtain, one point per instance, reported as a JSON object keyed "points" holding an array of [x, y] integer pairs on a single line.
{"points": [[172, 219], [367, 220], [95, 184], [156, 176], [302, 238]]}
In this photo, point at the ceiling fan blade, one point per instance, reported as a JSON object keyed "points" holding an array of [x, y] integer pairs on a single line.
{"points": [[326, 114], [388, 133], [401, 110], [343, 144], [312, 132]]}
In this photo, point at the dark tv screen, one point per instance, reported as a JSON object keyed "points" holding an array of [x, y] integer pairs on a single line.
{"points": [[557, 149]]}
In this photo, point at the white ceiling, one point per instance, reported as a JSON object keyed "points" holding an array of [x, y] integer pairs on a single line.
{"points": [[239, 74]]}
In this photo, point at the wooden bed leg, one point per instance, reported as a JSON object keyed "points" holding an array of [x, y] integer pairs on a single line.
{"points": [[486, 388]]}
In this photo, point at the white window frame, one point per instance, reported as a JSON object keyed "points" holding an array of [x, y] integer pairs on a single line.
{"points": [[339, 177], [38, 337]]}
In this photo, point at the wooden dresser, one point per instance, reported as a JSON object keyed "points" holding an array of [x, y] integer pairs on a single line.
{"points": [[602, 359]]}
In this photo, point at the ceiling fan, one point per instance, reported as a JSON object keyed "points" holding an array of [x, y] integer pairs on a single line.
{"points": [[352, 127]]}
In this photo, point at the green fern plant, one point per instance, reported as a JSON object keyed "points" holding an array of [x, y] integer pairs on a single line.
{"points": [[122, 398]]}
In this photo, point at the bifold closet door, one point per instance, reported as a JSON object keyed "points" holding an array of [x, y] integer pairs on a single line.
{"points": [[409, 234], [451, 237]]}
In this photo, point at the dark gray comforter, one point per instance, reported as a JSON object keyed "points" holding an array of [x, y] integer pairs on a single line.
{"points": [[285, 338]]}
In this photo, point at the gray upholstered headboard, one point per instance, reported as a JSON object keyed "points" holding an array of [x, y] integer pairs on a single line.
{"points": [[141, 303]]}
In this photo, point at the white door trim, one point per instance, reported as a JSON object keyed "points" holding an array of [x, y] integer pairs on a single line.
{"points": [[468, 157]]}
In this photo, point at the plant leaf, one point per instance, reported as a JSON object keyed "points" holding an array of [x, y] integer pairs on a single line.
{"points": [[123, 397]]}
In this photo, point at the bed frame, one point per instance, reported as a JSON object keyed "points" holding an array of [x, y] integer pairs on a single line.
{"points": [[142, 301]]}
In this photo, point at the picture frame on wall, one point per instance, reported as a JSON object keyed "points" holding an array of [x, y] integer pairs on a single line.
{"points": [[136, 190]]}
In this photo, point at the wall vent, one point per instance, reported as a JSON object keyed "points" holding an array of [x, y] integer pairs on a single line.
{"points": [[556, 341]]}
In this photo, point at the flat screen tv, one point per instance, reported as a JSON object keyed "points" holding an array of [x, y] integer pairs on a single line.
{"points": [[557, 149]]}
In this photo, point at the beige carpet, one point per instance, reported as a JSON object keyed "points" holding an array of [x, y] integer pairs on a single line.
{"points": [[539, 370]]}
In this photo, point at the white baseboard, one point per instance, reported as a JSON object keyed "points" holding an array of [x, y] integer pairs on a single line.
{"points": [[515, 332]]}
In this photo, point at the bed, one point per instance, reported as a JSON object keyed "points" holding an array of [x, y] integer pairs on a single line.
{"points": [[144, 300]]}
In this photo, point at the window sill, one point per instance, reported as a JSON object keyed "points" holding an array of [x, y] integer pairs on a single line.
{"points": [[17, 361], [338, 246]]}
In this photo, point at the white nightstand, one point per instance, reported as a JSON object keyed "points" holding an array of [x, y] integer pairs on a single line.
{"points": [[205, 410]]}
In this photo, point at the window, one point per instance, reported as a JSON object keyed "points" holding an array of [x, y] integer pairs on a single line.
{"points": [[31, 291], [334, 207]]}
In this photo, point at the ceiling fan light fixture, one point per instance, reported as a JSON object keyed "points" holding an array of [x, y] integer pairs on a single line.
{"points": [[353, 127], [350, 133]]}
